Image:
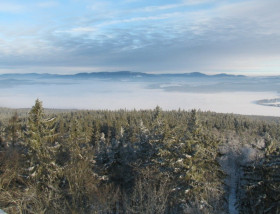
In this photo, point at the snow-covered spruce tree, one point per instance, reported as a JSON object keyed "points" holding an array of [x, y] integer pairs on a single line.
{"points": [[150, 193], [96, 136], [159, 134], [190, 157], [78, 180], [149, 141], [145, 150], [261, 182], [75, 141], [13, 130], [40, 139], [116, 161]]}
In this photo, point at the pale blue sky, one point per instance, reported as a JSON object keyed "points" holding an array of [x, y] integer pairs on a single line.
{"points": [[209, 36]]}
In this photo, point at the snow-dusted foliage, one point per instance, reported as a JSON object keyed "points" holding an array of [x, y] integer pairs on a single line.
{"points": [[150, 161], [260, 183]]}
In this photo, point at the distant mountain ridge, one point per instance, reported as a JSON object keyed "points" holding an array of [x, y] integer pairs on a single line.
{"points": [[117, 74]]}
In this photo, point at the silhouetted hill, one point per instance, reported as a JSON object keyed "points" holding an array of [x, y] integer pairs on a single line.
{"points": [[114, 75]]}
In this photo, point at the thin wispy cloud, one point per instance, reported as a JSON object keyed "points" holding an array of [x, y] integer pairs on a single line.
{"points": [[11, 7], [48, 4], [169, 36], [172, 6]]}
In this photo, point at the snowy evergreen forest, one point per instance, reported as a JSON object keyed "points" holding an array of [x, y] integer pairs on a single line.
{"points": [[148, 161]]}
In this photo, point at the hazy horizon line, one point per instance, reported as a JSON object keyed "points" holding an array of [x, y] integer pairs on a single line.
{"points": [[151, 73]]}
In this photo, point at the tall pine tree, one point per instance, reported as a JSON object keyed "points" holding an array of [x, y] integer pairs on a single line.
{"points": [[40, 137]]}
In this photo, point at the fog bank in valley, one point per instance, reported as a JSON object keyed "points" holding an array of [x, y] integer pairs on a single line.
{"points": [[127, 90]]}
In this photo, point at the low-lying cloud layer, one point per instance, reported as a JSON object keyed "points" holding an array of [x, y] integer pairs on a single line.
{"points": [[126, 90]]}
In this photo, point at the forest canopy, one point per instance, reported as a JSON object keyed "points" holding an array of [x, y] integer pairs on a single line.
{"points": [[149, 161]]}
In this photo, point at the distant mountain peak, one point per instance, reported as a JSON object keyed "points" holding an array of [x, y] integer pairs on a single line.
{"points": [[116, 74], [197, 74]]}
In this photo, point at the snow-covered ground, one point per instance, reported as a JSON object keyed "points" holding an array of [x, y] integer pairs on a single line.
{"points": [[2, 212], [229, 165], [233, 180]]}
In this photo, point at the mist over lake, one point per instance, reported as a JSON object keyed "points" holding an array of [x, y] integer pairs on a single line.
{"points": [[128, 90]]}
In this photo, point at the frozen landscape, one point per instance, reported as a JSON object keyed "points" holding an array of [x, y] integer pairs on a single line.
{"points": [[137, 106], [129, 90]]}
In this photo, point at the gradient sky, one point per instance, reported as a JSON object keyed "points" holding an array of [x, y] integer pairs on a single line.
{"points": [[209, 36]]}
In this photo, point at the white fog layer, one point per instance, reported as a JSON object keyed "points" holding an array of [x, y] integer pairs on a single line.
{"points": [[225, 95]]}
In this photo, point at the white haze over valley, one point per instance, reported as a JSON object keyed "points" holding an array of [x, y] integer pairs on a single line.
{"points": [[125, 94]]}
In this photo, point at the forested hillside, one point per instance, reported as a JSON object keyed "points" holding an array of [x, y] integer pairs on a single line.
{"points": [[149, 161]]}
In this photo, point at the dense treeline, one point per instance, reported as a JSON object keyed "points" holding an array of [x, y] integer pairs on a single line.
{"points": [[150, 161]]}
